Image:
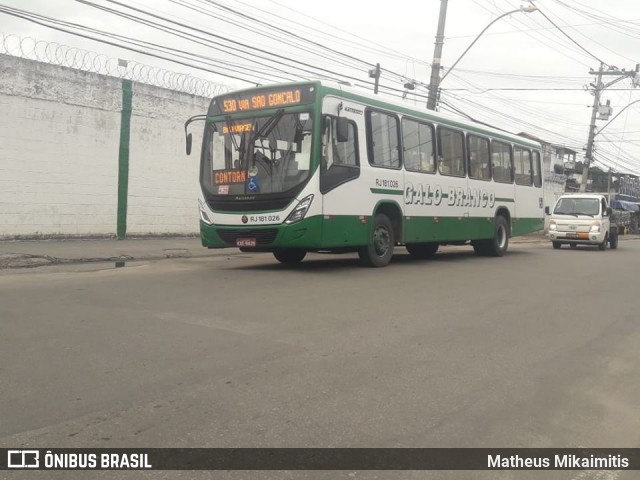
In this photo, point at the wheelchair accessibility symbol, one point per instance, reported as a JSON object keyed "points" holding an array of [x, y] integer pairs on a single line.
{"points": [[253, 184]]}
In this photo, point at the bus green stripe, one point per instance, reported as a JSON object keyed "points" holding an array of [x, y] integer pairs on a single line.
{"points": [[386, 191], [343, 231], [123, 158]]}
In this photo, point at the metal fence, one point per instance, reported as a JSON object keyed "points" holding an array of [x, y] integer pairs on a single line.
{"points": [[88, 61]]}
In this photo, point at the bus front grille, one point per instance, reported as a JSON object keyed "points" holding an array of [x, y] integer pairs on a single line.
{"points": [[263, 238]]}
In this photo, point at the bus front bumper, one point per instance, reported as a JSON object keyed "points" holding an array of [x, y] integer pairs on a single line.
{"points": [[303, 234]]}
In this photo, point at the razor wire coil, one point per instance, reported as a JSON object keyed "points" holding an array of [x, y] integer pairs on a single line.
{"points": [[88, 61]]}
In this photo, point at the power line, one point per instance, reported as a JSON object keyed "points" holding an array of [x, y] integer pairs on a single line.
{"points": [[571, 39]]}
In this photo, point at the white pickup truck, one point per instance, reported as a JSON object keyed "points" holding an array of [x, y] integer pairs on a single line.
{"points": [[584, 218]]}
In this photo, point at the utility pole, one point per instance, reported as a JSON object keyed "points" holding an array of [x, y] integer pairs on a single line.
{"points": [[598, 87], [375, 74], [434, 83], [592, 130]]}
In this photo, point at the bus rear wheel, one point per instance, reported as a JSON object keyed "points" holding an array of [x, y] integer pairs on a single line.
{"points": [[289, 256], [496, 246], [380, 249], [422, 250]]}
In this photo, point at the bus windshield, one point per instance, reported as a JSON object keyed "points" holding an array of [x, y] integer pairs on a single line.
{"points": [[259, 155]]}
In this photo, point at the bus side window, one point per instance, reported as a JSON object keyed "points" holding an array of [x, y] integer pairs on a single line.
{"points": [[451, 152], [383, 134], [418, 144], [522, 159], [340, 161], [478, 149], [537, 171], [501, 160]]}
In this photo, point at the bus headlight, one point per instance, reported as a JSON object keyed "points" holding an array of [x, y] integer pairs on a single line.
{"points": [[300, 211], [595, 227], [203, 215], [552, 225]]}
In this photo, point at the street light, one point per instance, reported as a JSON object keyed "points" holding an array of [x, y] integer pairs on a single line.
{"points": [[607, 124], [435, 82]]}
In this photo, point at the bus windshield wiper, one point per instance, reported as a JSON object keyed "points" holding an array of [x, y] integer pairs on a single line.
{"points": [[227, 120], [269, 125]]}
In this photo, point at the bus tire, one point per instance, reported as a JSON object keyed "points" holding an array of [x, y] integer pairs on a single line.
{"points": [[613, 241], [289, 256], [480, 247], [422, 250], [556, 245], [603, 245], [496, 246], [380, 249]]}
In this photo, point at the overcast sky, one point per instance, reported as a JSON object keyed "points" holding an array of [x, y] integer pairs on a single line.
{"points": [[523, 74]]}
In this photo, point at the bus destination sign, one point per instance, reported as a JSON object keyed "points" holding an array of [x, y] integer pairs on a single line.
{"points": [[263, 99]]}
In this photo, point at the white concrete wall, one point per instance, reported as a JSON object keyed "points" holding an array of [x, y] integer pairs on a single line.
{"points": [[59, 146], [163, 180]]}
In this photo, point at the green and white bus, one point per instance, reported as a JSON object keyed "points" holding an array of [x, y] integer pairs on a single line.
{"points": [[322, 167]]}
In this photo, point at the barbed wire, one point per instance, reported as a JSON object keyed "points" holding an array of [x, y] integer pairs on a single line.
{"points": [[66, 56]]}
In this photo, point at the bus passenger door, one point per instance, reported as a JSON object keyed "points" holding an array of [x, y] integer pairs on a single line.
{"points": [[339, 173], [453, 223]]}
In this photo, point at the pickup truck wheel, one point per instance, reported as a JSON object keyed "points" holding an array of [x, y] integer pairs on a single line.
{"points": [[613, 241], [556, 245], [603, 246]]}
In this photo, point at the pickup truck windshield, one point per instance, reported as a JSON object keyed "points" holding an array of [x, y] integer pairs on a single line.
{"points": [[577, 206]]}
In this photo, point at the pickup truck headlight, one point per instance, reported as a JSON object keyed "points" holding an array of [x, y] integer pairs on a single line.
{"points": [[552, 225], [595, 227]]}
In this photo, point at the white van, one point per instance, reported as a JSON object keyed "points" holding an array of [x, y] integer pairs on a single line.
{"points": [[583, 218]]}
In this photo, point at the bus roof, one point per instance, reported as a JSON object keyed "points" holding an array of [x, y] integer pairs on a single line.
{"points": [[348, 91], [439, 117]]}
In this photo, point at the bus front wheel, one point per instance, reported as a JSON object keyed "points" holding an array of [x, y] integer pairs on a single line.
{"points": [[289, 256], [380, 249]]}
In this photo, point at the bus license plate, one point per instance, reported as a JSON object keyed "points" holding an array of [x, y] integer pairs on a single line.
{"points": [[245, 242]]}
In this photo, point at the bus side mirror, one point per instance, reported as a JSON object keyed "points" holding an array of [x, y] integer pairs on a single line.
{"points": [[342, 129], [189, 141], [546, 210]]}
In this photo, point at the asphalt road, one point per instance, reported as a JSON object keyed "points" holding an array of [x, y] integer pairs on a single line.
{"points": [[536, 349]]}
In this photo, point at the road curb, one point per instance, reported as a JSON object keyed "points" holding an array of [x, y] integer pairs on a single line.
{"points": [[15, 261]]}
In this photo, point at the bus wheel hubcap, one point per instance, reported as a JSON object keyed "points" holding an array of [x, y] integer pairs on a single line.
{"points": [[381, 241], [502, 237]]}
